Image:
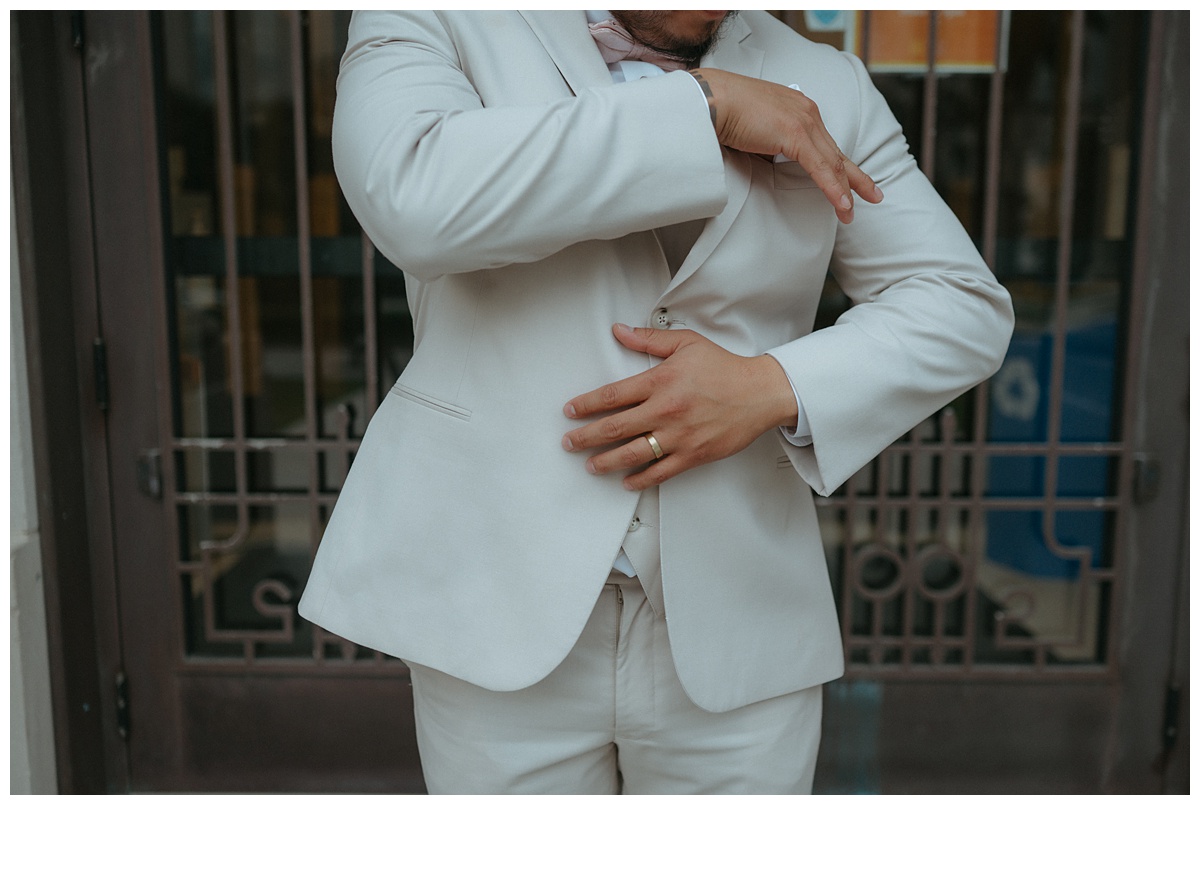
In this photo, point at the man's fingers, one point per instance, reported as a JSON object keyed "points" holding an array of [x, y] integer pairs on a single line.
{"points": [[840, 181], [609, 429], [618, 395], [633, 390], [656, 342], [837, 193], [635, 453], [656, 474], [863, 184], [829, 169], [837, 176]]}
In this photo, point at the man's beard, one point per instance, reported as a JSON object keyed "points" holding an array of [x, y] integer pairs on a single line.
{"points": [[649, 29]]}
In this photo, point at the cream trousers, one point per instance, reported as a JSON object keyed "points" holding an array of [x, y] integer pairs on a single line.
{"points": [[612, 718]]}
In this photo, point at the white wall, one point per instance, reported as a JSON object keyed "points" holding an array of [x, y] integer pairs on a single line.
{"points": [[31, 727]]}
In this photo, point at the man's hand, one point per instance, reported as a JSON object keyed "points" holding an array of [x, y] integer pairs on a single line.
{"points": [[702, 403], [759, 117]]}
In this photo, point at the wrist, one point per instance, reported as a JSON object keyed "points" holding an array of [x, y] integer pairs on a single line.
{"points": [[780, 403], [702, 81]]}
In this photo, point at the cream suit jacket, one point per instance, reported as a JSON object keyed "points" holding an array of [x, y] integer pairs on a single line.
{"points": [[490, 156]]}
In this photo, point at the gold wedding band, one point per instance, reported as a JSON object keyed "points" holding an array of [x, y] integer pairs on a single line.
{"points": [[658, 452]]}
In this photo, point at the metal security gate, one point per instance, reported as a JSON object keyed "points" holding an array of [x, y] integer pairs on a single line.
{"points": [[986, 542], [982, 560], [246, 325]]}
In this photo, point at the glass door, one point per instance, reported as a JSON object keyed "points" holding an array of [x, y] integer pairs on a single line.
{"points": [[980, 563], [271, 325]]}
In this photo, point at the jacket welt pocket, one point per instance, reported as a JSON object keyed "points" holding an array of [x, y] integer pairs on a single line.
{"points": [[429, 402], [791, 176]]}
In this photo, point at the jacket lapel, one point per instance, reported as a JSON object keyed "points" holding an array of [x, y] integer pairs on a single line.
{"points": [[569, 44], [565, 36], [732, 53]]}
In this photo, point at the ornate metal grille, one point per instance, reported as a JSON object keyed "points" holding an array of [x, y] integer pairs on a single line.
{"points": [[285, 321], [986, 542], [983, 543]]}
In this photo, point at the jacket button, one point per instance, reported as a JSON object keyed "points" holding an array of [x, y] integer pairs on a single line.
{"points": [[662, 318], [634, 524]]}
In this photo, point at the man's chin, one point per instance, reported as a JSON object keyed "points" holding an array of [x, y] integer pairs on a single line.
{"points": [[688, 39]]}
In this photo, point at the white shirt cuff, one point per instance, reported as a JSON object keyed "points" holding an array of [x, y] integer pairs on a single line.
{"points": [[801, 434]]}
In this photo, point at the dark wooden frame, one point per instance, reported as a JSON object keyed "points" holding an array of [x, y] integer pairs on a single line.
{"points": [[52, 201], [66, 217], [1149, 744]]}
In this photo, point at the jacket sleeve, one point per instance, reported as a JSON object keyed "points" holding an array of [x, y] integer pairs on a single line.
{"points": [[928, 319], [443, 184]]}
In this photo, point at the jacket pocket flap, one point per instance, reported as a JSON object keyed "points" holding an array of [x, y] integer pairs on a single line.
{"points": [[430, 402]]}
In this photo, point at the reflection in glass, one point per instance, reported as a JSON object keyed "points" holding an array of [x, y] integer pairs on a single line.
{"points": [[1037, 545], [270, 396]]}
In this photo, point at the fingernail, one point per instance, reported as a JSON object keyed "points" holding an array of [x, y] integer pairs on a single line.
{"points": [[624, 328], [591, 468], [878, 193], [569, 410], [566, 444], [845, 202]]}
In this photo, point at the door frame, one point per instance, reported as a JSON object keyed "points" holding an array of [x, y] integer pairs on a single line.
{"points": [[1153, 660], [74, 246], [126, 208], [51, 190]]}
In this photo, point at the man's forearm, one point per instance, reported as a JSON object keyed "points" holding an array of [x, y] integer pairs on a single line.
{"points": [[465, 187]]}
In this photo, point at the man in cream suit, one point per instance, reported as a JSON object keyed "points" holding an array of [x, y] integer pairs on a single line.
{"points": [[584, 515]]}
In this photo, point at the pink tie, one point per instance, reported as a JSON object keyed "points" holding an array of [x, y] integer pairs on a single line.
{"points": [[616, 44]]}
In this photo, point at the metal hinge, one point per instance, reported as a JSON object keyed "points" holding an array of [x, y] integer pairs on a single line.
{"points": [[100, 369], [1170, 732], [1147, 477], [149, 473], [77, 30], [122, 701]]}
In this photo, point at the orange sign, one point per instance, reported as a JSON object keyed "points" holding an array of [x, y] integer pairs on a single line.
{"points": [[898, 40]]}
